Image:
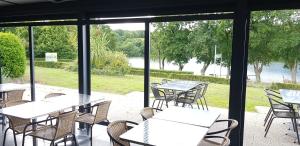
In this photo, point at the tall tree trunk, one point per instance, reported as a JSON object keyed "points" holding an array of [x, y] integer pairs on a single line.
{"points": [[293, 70], [159, 60], [228, 72], [204, 68], [180, 66], [258, 67], [163, 63]]}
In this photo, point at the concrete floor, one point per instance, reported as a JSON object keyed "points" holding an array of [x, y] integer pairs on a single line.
{"points": [[127, 107]]}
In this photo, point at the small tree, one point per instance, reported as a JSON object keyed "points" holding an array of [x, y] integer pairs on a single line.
{"points": [[12, 56]]}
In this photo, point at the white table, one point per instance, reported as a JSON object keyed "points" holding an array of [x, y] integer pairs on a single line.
{"points": [[35, 109], [11, 86], [179, 85], [188, 116], [290, 96], [165, 133]]}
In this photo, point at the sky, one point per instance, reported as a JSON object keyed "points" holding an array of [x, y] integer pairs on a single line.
{"points": [[129, 26]]}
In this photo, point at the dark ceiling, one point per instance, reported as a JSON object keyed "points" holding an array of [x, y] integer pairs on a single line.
{"points": [[21, 10]]}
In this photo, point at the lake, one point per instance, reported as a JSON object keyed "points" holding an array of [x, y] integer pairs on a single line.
{"points": [[274, 72]]}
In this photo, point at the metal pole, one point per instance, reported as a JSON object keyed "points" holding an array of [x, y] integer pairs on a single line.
{"points": [[147, 64], [31, 59]]}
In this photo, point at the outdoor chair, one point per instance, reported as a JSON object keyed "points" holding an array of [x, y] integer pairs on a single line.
{"points": [[17, 125], [117, 128], [285, 114], [159, 96], [202, 95], [217, 135], [54, 114], [92, 119], [190, 97], [13, 96], [169, 93], [148, 112], [276, 95], [63, 128]]}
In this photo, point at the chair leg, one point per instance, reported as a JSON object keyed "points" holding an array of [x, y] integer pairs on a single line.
{"points": [[74, 139], [65, 142], [15, 139], [91, 138], [167, 104], [267, 116], [5, 136], [201, 103], [153, 102], [269, 125], [158, 104], [197, 104], [296, 129], [52, 143], [205, 103], [268, 122]]}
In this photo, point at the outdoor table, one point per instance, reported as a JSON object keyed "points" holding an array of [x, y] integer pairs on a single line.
{"points": [[179, 85], [165, 133], [188, 116], [290, 96], [10, 86]]}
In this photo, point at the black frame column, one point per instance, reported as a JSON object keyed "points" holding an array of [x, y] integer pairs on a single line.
{"points": [[31, 60], [239, 64], [146, 63]]}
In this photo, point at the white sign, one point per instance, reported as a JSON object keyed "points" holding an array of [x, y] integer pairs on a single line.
{"points": [[51, 57]]}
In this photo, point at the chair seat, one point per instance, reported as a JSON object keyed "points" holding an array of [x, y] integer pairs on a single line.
{"points": [[205, 142], [283, 114], [279, 106], [85, 118], [169, 98], [20, 129], [47, 133], [185, 100]]}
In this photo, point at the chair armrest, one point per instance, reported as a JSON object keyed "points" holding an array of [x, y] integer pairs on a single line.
{"points": [[36, 123]]}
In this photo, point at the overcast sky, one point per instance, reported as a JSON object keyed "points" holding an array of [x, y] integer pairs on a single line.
{"points": [[129, 26]]}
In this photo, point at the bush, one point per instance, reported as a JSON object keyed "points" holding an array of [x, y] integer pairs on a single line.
{"points": [[277, 86], [61, 65], [12, 56]]}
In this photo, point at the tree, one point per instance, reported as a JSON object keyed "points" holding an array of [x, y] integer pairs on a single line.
{"points": [[176, 41], [261, 38], [203, 40], [12, 56], [54, 39], [287, 43]]}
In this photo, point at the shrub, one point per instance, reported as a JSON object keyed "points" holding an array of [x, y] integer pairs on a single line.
{"points": [[277, 86], [162, 71], [51, 64], [12, 56]]}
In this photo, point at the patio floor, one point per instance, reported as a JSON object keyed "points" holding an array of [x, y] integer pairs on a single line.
{"points": [[127, 107]]}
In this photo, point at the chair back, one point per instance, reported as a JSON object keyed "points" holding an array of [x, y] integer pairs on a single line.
{"points": [[65, 124], [163, 81], [274, 101], [114, 130], [14, 95], [203, 90], [147, 113], [102, 111], [54, 95], [155, 90], [15, 122], [274, 93]]}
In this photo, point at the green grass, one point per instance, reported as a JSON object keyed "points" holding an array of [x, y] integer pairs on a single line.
{"points": [[217, 94]]}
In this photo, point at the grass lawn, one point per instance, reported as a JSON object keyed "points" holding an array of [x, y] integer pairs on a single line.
{"points": [[217, 94]]}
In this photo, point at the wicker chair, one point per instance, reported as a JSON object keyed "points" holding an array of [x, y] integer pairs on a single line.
{"points": [[274, 94], [17, 125], [148, 112], [283, 114], [220, 137], [63, 128], [54, 114], [160, 96], [117, 128], [92, 119], [12, 96]]}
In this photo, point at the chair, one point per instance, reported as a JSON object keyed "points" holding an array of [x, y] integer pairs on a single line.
{"points": [[148, 112], [190, 97], [159, 96], [64, 127], [285, 114], [92, 119], [117, 128], [274, 94], [169, 93], [16, 124], [220, 137], [12, 96], [202, 95], [54, 114]]}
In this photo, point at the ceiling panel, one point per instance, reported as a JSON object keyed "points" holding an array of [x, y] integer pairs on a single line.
{"points": [[26, 1], [2, 3]]}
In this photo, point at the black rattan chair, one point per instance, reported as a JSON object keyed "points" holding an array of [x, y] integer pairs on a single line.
{"points": [[159, 96], [117, 128]]}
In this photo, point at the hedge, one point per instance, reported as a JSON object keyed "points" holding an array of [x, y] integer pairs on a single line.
{"points": [[183, 76], [61, 65], [58, 60], [161, 71], [277, 86]]}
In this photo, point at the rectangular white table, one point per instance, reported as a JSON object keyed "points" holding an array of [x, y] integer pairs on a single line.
{"points": [[188, 116], [165, 133], [35, 109], [290, 96], [179, 85]]}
